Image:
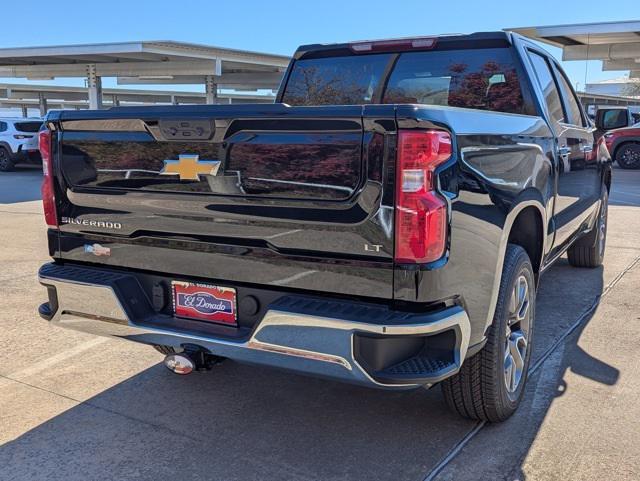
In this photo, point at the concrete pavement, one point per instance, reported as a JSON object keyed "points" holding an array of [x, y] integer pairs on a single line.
{"points": [[73, 406]]}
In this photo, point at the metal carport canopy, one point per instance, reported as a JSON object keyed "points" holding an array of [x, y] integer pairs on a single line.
{"points": [[59, 97], [617, 44], [147, 62]]}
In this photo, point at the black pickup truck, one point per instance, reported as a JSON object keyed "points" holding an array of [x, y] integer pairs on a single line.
{"points": [[385, 222]]}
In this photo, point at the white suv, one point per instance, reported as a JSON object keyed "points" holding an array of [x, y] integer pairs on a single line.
{"points": [[18, 142]]}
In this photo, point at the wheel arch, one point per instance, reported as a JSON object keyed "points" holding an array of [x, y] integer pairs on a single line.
{"points": [[527, 231], [7, 146], [530, 210]]}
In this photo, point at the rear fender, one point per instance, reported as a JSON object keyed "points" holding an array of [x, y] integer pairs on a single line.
{"points": [[529, 198]]}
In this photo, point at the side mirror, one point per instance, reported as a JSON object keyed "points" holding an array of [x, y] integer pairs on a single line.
{"points": [[609, 119]]}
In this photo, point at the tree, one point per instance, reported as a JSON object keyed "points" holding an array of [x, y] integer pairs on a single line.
{"points": [[631, 89]]}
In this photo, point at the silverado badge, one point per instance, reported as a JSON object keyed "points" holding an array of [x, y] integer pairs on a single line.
{"points": [[189, 167]]}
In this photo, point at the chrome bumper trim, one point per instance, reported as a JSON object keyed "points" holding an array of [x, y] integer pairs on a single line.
{"points": [[311, 344]]}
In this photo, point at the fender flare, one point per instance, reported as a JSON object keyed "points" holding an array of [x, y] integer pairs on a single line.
{"points": [[528, 200], [7, 146]]}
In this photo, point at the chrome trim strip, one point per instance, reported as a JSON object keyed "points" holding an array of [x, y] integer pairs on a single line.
{"points": [[287, 351], [310, 344]]}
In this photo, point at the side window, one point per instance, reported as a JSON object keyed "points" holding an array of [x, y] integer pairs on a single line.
{"points": [[3, 126], [548, 86], [573, 108]]}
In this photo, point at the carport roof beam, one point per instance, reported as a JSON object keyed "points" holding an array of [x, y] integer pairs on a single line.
{"points": [[601, 33], [167, 60], [151, 51], [617, 44]]}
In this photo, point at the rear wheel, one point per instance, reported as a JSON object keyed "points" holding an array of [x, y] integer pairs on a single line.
{"points": [[489, 386], [588, 251], [628, 156], [6, 164]]}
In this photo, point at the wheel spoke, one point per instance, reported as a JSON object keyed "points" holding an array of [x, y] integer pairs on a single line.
{"points": [[509, 371], [513, 303], [518, 349]]}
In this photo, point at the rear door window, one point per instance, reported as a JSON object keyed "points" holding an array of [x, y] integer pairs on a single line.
{"points": [[548, 86], [573, 107]]}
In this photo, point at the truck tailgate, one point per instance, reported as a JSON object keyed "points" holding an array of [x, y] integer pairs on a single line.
{"points": [[253, 194]]}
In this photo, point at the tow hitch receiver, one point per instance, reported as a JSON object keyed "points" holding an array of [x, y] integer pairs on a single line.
{"points": [[190, 360]]}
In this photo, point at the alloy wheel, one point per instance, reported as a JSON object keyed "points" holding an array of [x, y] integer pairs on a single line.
{"points": [[517, 334], [631, 156]]}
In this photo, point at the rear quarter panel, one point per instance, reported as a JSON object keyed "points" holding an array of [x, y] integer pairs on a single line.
{"points": [[502, 164]]}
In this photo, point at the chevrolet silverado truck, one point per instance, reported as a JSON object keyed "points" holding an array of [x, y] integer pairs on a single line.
{"points": [[385, 222]]}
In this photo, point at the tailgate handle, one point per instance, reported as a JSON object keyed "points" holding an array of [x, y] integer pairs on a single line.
{"points": [[181, 130]]}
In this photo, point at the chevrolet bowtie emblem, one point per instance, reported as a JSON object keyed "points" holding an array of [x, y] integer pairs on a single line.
{"points": [[188, 167]]}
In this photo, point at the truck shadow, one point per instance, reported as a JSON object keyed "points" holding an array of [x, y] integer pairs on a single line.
{"points": [[242, 422], [20, 185], [500, 451]]}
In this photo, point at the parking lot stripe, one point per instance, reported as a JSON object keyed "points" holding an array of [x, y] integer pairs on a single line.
{"points": [[55, 359], [455, 450]]}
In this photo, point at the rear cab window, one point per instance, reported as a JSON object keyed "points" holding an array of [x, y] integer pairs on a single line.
{"points": [[475, 78], [348, 80], [483, 79]]}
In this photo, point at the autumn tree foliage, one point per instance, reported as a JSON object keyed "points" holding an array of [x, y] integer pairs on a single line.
{"points": [[493, 87]]}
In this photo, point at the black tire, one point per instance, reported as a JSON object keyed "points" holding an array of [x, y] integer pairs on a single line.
{"points": [[628, 156], [166, 350], [479, 390], [588, 251], [6, 163]]}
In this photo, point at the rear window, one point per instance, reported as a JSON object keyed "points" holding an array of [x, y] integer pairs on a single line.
{"points": [[28, 126], [335, 80], [485, 79]]}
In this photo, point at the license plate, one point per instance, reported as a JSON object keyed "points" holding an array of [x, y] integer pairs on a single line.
{"points": [[204, 302]]}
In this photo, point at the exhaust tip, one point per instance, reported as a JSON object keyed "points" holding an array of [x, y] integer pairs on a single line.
{"points": [[179, 363]]}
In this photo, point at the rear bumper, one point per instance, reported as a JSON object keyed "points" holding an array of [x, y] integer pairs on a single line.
{"points": [[352, 342]]}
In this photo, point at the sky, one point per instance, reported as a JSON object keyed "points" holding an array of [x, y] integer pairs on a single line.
{"points": [[280, 26]]}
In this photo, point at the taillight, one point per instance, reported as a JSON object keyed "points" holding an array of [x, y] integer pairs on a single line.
{"points": [[48, 191], [421, 213]]}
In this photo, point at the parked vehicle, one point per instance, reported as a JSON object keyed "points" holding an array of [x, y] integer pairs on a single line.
{"points": [[613, 117], [18, 142], [621, 135], [386, 222]]}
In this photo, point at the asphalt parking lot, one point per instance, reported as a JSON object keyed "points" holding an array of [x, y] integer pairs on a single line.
{"points": [[73, 406]]}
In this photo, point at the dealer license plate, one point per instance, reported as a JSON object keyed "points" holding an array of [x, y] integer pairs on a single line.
{"points": [[204, 302]]}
